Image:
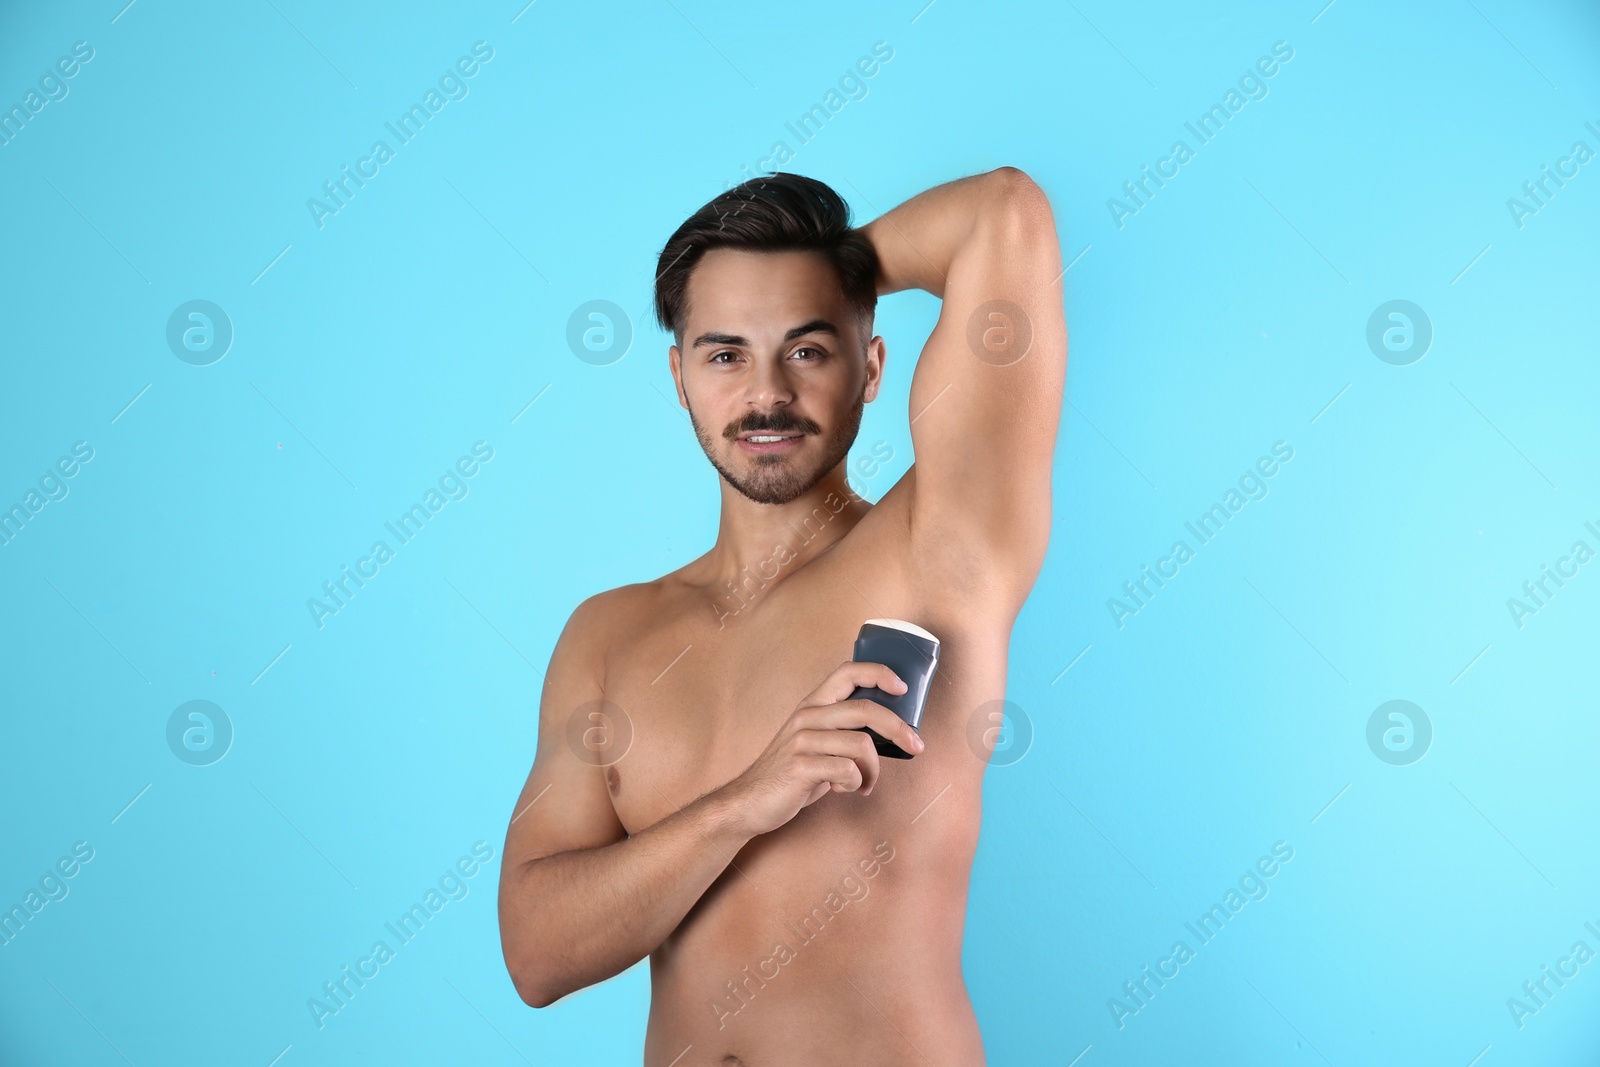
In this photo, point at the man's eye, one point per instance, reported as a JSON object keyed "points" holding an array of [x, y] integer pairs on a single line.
{"points": [[724, 352], [815, 352]]}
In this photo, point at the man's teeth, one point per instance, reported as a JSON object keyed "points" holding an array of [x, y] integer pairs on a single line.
{"points": [[766, 439]]}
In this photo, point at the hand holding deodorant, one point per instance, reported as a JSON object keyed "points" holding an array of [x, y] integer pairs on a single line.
{"points": [[913, 654]]}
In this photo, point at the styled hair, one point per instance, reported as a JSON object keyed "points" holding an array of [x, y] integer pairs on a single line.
{"points": [[772, 213]]}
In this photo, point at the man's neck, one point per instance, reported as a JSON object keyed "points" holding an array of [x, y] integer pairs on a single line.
{"points": [[761, 545]]}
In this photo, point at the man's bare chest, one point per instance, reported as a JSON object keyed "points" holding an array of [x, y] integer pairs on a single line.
{"points": [[704, 697]]}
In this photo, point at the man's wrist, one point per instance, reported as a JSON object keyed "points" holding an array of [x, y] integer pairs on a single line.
{"points": [[882, 281], [722, 816]]}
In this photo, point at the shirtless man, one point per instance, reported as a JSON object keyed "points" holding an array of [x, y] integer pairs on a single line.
{"points": [[702, 793]]}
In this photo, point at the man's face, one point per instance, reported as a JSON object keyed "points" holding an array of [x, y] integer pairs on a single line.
{"points": [[773, 350]]}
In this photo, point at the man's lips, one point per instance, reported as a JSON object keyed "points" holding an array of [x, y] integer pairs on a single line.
{"points": [[762, 441]]}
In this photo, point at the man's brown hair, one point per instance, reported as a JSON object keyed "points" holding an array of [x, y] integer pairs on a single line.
{"points": [[772, 213]]}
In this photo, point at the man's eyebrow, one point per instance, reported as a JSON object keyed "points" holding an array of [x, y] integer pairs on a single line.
{"points": [[814, 326], [706, 339]]}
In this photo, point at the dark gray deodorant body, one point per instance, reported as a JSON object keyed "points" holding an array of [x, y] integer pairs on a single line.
{"points": [[913, 654]]}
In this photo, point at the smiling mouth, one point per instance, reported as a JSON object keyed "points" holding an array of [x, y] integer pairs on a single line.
{"points": [[765, 443]]}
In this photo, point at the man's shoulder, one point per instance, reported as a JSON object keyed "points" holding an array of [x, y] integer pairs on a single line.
{"points": [[606, 610], [615, 615]]}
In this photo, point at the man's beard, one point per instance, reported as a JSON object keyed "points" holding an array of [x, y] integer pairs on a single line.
{"points": [[777, 479]]}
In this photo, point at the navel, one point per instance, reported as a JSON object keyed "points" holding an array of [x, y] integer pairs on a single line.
{"points": [[614, 780]]}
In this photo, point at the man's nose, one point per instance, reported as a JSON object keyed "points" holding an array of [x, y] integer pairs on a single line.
{"points": [[769, 385]]}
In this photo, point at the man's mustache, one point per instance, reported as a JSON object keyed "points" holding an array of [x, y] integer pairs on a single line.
{"points": [[776, 422]]}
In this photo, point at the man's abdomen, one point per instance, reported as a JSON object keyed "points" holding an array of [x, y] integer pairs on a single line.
{"points": [[834, 939]]}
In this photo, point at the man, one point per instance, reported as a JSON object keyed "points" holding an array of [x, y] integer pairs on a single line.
{"points": [[703, 793]]}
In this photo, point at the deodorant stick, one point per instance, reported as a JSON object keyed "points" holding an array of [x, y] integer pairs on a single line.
{"points": [[913, 654]]}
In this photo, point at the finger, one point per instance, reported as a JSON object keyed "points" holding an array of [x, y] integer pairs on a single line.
{"points": [[853, 714], [853, 745], [841, 771], [891, 727], [896, 729], [849, 675]]}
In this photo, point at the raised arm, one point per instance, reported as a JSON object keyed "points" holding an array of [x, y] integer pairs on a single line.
{"points": [[987, 392]]}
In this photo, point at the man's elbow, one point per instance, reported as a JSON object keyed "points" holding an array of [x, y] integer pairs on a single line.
{"points": [[532, 991], [1019, 205], [1014, 188], [534, 997], [529, 979]]}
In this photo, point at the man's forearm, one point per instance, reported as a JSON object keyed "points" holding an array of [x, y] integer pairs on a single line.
{"points": [[576, 918], [917, 241]]}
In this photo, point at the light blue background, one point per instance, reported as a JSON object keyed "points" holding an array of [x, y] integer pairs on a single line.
{"points": [[425, 316]]}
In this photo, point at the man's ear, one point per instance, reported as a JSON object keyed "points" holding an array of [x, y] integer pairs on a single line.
{"points": [[675, 365], [877, 355]]}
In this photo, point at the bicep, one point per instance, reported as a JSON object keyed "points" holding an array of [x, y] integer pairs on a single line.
{"points": [[986, 400], [564, 804]]}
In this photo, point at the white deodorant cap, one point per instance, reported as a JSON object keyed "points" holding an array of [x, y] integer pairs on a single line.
{"points": [[908, 627]]}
